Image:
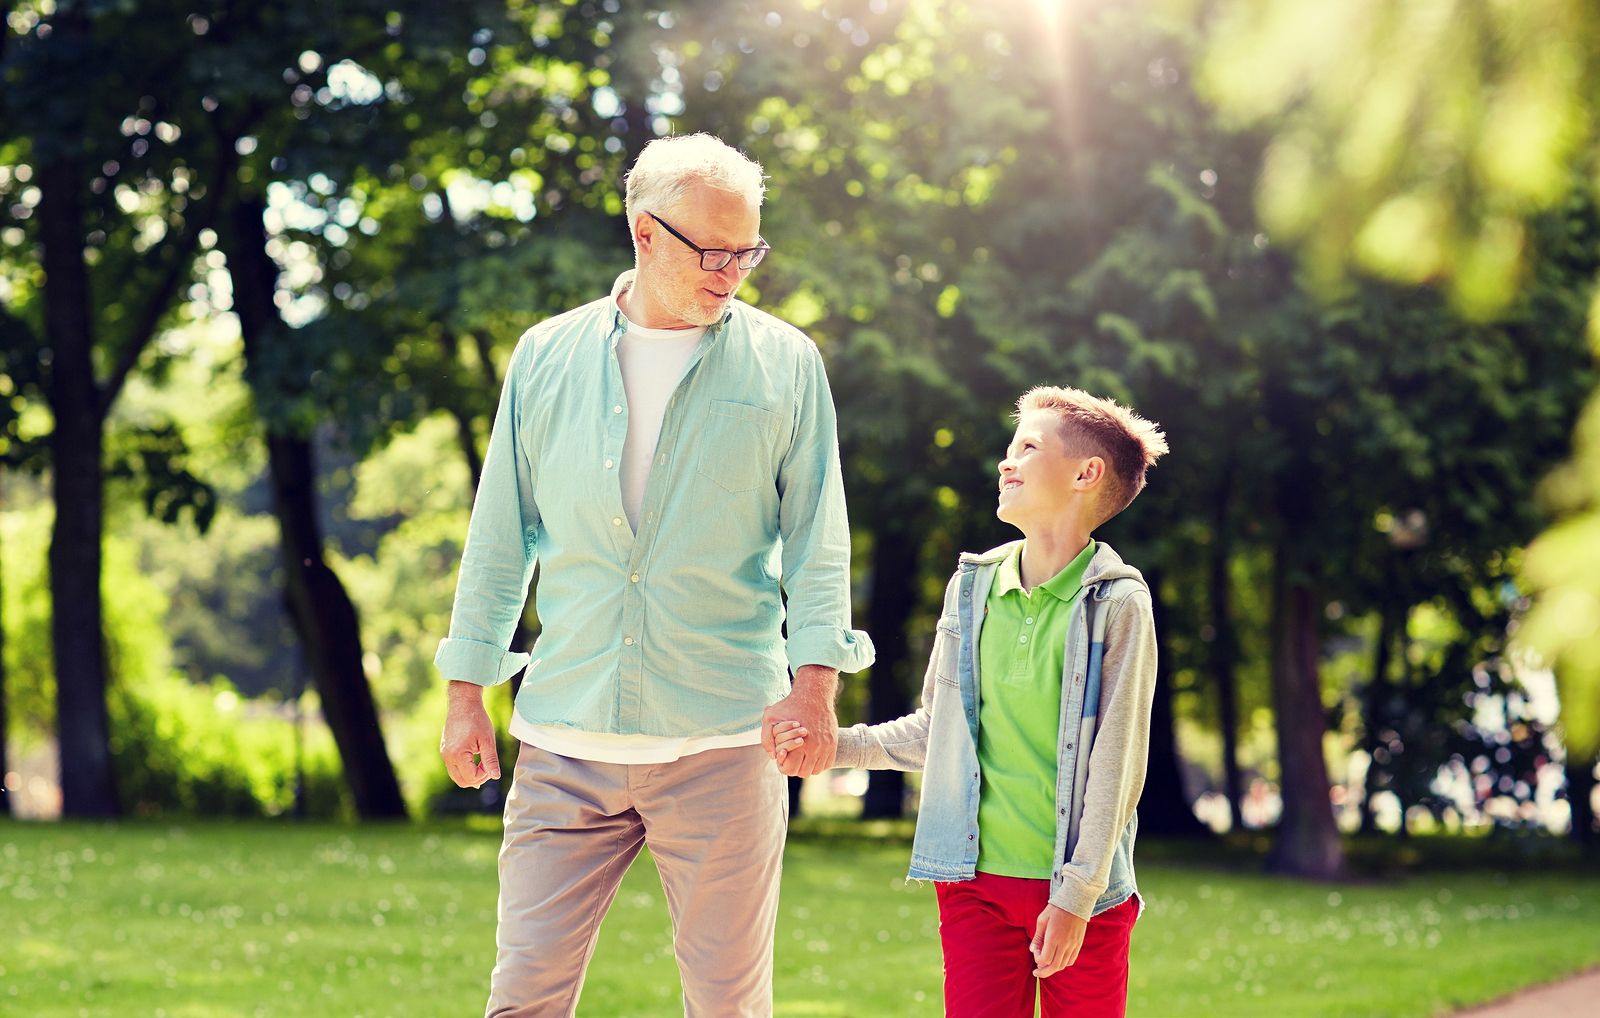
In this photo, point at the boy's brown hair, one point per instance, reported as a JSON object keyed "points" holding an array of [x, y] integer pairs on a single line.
{"points": [[1093, 426]]}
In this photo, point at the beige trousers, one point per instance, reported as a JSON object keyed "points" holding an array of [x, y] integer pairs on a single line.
{"points": [[715, 824]]}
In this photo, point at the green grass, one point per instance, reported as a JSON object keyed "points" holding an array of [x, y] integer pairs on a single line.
{"points": [[282, 919]]}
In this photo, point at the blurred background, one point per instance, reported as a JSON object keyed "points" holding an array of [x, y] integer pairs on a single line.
{"points": [[262, 264]]}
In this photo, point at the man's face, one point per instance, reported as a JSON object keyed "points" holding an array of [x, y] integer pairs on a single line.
{"points": [[1037, 477], [677, 292]]}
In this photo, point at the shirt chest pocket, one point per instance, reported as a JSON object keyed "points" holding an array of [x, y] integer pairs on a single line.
{"points": [[737, 446], [946, 649]]}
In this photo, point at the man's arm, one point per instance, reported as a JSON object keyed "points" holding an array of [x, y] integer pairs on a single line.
{"points": [[491, 589], [1120, 752], [816, 572]]}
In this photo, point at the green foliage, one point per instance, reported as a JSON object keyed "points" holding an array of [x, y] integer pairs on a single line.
{"points": [[1421, 143], [1413, 140], [965, 200], [25, 612], [135, 608], [186, 749], [1564, 567]]}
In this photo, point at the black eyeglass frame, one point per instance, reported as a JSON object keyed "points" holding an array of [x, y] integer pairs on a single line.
{"points": [[721, 255]]}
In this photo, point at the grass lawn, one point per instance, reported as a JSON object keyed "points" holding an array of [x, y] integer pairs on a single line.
{"points": [[219, 919]]}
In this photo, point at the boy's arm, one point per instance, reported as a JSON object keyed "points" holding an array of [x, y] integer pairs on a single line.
{"points": [[1120, 752], [901, 744]]}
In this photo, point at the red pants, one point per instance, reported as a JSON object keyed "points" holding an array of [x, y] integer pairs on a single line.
{"points": [[986, 925]]}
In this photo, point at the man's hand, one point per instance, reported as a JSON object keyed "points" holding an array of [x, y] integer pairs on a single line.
{"points": [[810, 703], [467, 745], [1057, 938]]}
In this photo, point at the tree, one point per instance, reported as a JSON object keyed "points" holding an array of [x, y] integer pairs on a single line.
{"points": [[1374, 168], [113, 263]]}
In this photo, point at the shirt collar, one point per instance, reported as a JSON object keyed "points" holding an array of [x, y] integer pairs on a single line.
{"points": [[1008, 575], [1063, 586]]}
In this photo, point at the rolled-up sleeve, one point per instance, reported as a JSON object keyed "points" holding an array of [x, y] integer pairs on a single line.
{"points": [[816, 533], [502, 547]]}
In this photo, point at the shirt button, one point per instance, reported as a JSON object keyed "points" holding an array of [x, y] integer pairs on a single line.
{"points": [[627, 641], [1028, 620], [661, 459], [634, 577], [1022, 639], [609, 465], [617, 409], [616, 521]]}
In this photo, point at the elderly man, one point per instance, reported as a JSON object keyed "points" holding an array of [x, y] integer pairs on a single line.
{"points": [[669, 454]]}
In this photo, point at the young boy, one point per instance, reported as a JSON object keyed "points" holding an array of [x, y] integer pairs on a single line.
{"points": [[1034, 727]]}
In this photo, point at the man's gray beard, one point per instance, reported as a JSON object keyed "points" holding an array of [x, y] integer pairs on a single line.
{"points": [[686, 309]]}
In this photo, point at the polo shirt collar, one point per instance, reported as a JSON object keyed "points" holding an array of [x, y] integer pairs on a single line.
{"points": [[1063, 586]]}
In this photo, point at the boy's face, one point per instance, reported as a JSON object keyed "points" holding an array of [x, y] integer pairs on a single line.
{"points": [[1039, 481]]}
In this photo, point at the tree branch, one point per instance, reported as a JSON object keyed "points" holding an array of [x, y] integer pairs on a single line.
{"points": [[178, 251]]}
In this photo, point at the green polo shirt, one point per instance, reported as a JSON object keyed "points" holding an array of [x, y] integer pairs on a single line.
{"points": [[1020, 657]]}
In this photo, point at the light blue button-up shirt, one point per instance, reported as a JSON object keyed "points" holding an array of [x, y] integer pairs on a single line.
{"points": [[675, 630]]}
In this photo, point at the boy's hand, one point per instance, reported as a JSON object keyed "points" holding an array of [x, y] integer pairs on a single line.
{"points": [[1057, 939], [783, 738]]}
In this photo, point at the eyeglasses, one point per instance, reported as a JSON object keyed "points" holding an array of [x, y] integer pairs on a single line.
{"points": [[713, 259]]}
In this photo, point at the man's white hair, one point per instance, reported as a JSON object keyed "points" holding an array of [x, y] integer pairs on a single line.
{"points": [[668, 167]]}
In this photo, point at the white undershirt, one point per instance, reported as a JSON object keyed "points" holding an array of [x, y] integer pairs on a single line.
{"points": [[653, 362]]}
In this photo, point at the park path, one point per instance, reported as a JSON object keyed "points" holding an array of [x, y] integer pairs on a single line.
{"points": [[1573, 997]]}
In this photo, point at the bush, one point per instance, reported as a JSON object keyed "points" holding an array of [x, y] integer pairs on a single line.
{"points": [[186, 749]]}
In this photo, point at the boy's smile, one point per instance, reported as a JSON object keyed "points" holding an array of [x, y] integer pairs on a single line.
{"points": [[1037, 476]]}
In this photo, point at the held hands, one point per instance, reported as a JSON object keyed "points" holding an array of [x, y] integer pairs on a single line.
{"points": [[467, 744], [811, 732], [1057, 938]]}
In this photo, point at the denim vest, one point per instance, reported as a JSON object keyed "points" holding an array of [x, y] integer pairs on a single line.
{"points": [[945, 847]]}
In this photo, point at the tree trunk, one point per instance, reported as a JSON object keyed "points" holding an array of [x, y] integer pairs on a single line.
{"points": [[1307, 838], [1580, 796], [1164, 810], [1224, 654], [1374, 713], [323, 615], [88, 783], [466, 440], [895, 558]]}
